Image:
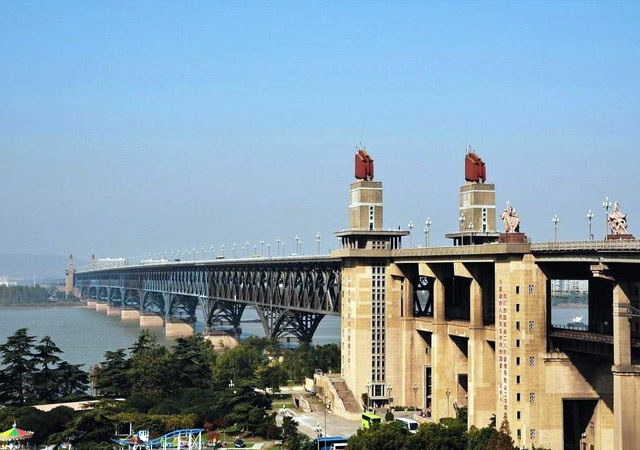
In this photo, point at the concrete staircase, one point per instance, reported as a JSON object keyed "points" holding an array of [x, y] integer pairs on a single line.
{"points": [[351, 404]]}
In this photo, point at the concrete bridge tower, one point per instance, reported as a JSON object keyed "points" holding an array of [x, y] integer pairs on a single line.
{"points": [[69, 279]]}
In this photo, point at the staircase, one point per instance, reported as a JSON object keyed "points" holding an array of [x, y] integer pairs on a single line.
{"points": [[351, 404]]}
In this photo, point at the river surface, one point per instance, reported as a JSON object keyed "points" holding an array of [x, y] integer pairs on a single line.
{"points": [[84, 334]]}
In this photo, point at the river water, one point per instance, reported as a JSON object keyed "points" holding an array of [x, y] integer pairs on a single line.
{"points": [[85, 334]]}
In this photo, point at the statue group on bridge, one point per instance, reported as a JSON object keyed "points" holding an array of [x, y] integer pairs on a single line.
{"points": [[510, 219], [617, 221]]}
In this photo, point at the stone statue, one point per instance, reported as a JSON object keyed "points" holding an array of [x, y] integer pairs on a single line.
{"points": [[617, 220], [510, 219]]}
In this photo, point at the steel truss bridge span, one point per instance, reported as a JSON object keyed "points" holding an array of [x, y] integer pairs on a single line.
{"points": [[291, 296]]}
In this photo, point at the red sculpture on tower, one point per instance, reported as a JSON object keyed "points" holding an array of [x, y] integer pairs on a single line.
{"points": [[474, 168], [364, 165]]}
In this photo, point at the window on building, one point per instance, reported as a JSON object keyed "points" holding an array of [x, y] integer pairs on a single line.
{"points": [[517, 307], [532, 289], [519, 433], [517, 324], [517, 379], [517, 289], [517, 360], [532, 325], [518, 396], [532, 397], [518, 415], [517, 343]]}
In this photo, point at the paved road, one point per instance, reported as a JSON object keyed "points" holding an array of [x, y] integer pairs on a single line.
{"points": [[336, 426]]}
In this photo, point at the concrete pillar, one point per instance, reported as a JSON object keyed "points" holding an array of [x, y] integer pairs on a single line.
{"points": [[482, 391], [113, 311], [177, 329], [442, 386], [129, 314], [91, 303], [626, 378], [151, 320], [101, 306]]}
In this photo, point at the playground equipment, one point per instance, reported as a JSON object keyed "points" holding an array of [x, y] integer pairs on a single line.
{"points": [[190, 439]]}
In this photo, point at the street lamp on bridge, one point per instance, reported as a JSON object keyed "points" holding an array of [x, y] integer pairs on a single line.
{"points": [[555, 219], [461, 219], [222, 250], [410, 226], [262, 247], [427, 227], [297, 239], [233, 251], [282, 248], [606, 204], [318, 238], [590, 218], [243, 251], [268, 250], [278, 245], [213, 252], [203, 254], [247, 245]]}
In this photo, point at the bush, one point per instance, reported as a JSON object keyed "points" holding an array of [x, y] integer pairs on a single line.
{"points": [[388, 417]]}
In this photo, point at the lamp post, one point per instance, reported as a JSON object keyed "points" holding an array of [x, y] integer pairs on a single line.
{"points": [[297, 239], [326, 406], [410, 226], [278, 246], [204, 254], [222, 250], [448, 392], [318, 433], [415, 395], [247, 245], [427, 227], [194, 253], [368, 385], [389, 388], [283, 248], [268, 250], [318, 238], [242, 249], [213, 252], [461, 219], [470, 231], [590, 218], [606, 204], [262, 247], [555, 219], [233, 250]]}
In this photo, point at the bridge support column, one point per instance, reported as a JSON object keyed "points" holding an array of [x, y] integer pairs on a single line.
{"points": [[129, 314], [100, 306], [482, 387], [151, 320], [222, 340], [91, 303], [626, 377], [113, 311], [179, 328], [442, 376]]}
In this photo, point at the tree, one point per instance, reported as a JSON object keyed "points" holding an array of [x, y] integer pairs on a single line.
{"points": [[478, 438], [388, 436], [292, 439], [448, 435], [272, 376], [502, 439], [239, 363], [72, 380], [111, 375], [46, 380], [193, 358], [16, 377], [91, 430]]}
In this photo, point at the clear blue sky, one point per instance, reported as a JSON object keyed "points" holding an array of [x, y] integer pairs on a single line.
{"points": [[135, 127]]}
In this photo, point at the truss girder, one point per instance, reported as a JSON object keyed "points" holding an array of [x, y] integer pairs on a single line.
{"points": [[296, 285]]}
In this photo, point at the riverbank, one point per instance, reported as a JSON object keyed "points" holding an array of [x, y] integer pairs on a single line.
{"points": [[45, 305], [571, 305]]}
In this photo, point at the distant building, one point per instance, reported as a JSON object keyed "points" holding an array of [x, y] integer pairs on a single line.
{"points": [[570, 286], [6, 282]]}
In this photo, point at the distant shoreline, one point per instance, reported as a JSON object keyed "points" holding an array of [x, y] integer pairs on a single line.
{"points": [[571, 305], [46, 305]]}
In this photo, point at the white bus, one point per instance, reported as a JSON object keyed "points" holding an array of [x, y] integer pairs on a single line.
{"points": [[409, 424]]}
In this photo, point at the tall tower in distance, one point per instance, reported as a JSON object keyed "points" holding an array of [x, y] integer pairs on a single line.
{"points": [[477, 211], [69, 279]]}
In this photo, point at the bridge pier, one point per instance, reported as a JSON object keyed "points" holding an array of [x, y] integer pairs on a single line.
{"points": [[129, 314], [91, 303], [175, 328], [101, 306], [113, 311], [151, 320], [221, 340]]}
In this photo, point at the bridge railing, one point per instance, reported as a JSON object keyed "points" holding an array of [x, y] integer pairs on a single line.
{"points": [[607, 245]]}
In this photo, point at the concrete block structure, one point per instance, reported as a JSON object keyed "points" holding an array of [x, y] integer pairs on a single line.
{"points": [[470, 325]]}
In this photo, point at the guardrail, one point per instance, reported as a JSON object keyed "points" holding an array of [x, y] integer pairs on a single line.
{"points": [[608, 245]]}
